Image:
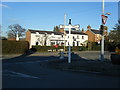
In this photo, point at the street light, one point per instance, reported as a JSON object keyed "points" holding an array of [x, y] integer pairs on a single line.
{"points": [[104, 19]]}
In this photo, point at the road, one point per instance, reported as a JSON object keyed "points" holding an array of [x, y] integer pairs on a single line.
{"points": [[27, 72]]}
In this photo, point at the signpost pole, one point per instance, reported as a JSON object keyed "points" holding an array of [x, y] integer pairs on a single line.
{"points": [[69, 53], [69, 26]]}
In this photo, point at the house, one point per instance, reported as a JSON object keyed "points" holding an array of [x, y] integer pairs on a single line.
{"points": [[93, 35], [50, 38]]}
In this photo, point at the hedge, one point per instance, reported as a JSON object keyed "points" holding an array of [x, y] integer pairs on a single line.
{"points": [[46, 48], [14, 47], [93, 46]]}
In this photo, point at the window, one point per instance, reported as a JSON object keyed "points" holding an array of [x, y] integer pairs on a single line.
{"points": [[62, 44], [82, 37], [52, 43], [62, 35], [36, 43], [77, 36], [37, 35], [68, 43], [73, 37], [77, 43], [52, 36]]}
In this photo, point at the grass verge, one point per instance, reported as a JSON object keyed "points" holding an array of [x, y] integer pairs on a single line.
{"points": [[94, 66]]}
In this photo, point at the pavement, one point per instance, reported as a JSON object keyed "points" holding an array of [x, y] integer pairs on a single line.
{"points": [[94, 55], [28, 72]]}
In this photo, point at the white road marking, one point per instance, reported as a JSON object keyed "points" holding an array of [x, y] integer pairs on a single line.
{"points": [[17, 74]]}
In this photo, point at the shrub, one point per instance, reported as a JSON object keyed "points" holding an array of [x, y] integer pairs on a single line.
{"points": [[14, 47], [46, 48], [93, 46]]}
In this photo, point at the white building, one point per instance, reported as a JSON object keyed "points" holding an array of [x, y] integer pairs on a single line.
{"points": [[50, 38]]}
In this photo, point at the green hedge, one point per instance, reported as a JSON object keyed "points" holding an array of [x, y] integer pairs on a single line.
{"points": [[93, 46], [46, 48], [14, 47]]}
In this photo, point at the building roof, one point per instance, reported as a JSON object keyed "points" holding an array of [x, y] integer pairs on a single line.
{"points": [[76, 32], [56, 33], [95, 31], [43, 32]]}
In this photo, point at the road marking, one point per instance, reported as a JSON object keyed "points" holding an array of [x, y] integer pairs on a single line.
{"points": [[17, 74]]}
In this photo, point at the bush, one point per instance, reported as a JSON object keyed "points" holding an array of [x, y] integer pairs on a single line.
{"points": [[93, 46], [14, 47], [115, 59], [46, 48]]}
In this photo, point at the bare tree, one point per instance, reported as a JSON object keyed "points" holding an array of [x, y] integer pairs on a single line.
{"points": [[14, 29]]}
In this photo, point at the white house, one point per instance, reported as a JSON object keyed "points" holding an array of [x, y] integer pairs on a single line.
{"points": [[50, 38]]}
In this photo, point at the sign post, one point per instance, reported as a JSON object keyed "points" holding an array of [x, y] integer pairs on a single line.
{"points": [[69, 26]]}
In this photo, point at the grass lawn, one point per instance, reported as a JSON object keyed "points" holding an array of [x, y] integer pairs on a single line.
{"points": [[96, 66]]}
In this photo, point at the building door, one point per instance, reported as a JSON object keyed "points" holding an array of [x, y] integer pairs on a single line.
{"points": [[36, 43], [77, 43]]}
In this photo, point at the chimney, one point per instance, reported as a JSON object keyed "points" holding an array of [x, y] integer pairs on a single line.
{"points": [[62, 30], [88, 27], [82, 30]]}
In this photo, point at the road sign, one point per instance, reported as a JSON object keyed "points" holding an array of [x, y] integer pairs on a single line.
{"points": [[104, 19]]}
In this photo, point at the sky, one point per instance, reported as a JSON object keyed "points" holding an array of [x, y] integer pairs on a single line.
{"points": [[46, 15]]}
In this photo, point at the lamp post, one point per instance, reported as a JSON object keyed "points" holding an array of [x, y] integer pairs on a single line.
{"points": [[104, 19]]}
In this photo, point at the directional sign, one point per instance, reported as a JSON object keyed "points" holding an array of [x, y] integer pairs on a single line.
{"points": [[76, 26], [62, 26]]}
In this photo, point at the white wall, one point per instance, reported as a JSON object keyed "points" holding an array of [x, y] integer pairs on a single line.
{"points": [[57, 38], [80, 40]]}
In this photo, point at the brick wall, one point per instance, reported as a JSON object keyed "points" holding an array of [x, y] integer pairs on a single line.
{"points": [[62, 30], [91, 36], [97, 37], [28, 37]]}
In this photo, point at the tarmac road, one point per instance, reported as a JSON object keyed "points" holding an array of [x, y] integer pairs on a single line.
{"points": [[27, 72]]}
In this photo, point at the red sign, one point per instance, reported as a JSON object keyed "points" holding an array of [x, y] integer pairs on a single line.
{"points": [[104, 19], [56, 46]]}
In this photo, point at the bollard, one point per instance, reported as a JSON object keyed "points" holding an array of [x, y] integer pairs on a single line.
{"points": [[61, 55]]}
